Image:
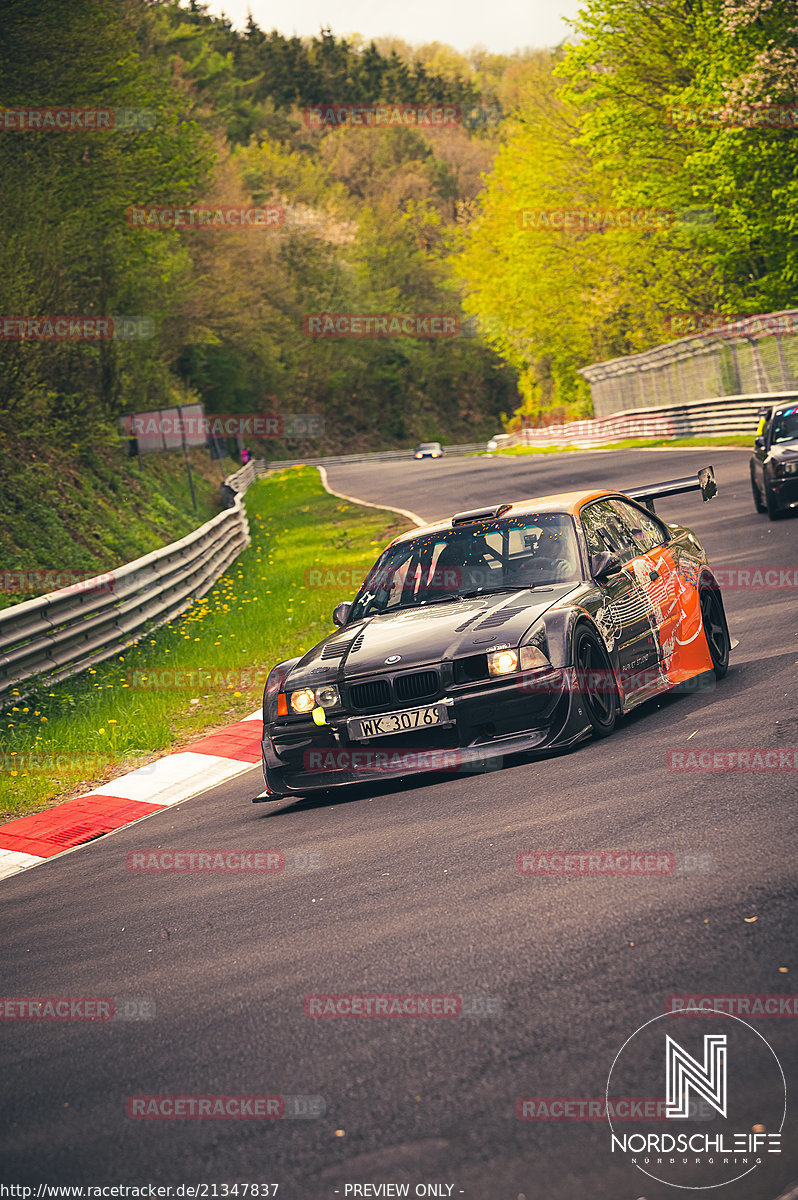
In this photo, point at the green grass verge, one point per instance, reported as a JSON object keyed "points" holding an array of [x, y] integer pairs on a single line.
{"points": [[309, 551], [708, 440], [520, 450], [721, 439]]}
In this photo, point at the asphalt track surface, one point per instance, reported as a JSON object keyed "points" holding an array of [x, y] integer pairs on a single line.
{"points": [[417, 892]]}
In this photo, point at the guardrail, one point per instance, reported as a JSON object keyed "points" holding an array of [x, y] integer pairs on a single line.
{"points": [[56, 636], [722, 356], [730, 415], [379, 456]]}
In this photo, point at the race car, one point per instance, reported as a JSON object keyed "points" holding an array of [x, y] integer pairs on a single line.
{"points": [[520, 627], [774, 463], [428, 450]]}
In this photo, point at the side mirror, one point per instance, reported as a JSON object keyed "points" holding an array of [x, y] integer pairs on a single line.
{"points": [[341, 612], [759, 442], [706, 480], [604, 564]]}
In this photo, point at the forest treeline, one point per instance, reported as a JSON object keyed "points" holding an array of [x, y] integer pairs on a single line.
{"points": [[412, 218], [368, 216], [684, 111]]}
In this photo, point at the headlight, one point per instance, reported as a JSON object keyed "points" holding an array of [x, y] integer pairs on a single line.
{"points": [[532, 658], [327, 696], [303, 701], [306, 699], [534, 651], [502, 662]]}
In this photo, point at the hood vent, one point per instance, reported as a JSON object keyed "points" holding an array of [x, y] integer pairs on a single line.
{"points": [[336, 649], [468, 621], [492, 620]]}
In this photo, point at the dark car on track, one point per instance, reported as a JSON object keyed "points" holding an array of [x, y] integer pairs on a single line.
{"points": [[774, 463], [514, 628]]}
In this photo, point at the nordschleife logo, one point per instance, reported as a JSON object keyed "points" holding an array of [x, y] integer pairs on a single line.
{"points": [[684, 1074], [725, 1099]]}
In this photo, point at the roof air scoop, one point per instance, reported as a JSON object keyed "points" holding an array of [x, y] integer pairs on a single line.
{"points": [[480, 514]]}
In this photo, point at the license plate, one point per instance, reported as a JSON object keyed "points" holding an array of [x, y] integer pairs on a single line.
{"points": [[360, 728]]}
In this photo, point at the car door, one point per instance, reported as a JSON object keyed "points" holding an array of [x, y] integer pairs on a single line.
{"points": [[657, 574], [673, 593], [626, 616]]}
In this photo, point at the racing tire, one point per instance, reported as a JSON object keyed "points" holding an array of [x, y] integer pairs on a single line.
{"points": [[594, 673], [770, 504], [716, 629], [758, 505]]}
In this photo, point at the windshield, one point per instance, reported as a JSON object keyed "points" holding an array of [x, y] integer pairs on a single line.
{"points": [[476, 559], [430, 446], [785, 425]]}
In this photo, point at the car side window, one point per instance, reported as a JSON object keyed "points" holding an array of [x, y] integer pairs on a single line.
{"points": [[604, 531], [644, 530], [784, 427]]}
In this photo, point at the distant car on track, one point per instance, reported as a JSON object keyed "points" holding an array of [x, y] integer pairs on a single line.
{"points": [[774, 463], [428, 450], [512, 628], [497, 441]]}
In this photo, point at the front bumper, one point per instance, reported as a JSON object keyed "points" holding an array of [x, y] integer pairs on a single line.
{"points": [[488, 722], [785, 490]]}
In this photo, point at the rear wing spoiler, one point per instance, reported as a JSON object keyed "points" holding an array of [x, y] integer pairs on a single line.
{"points": [[703, 482]]}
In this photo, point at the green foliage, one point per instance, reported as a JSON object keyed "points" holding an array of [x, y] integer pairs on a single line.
{"points": [[613, 123], [367, 217]]}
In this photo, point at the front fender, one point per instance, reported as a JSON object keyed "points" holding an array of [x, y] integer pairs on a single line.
{"points": [[560, 624]]}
